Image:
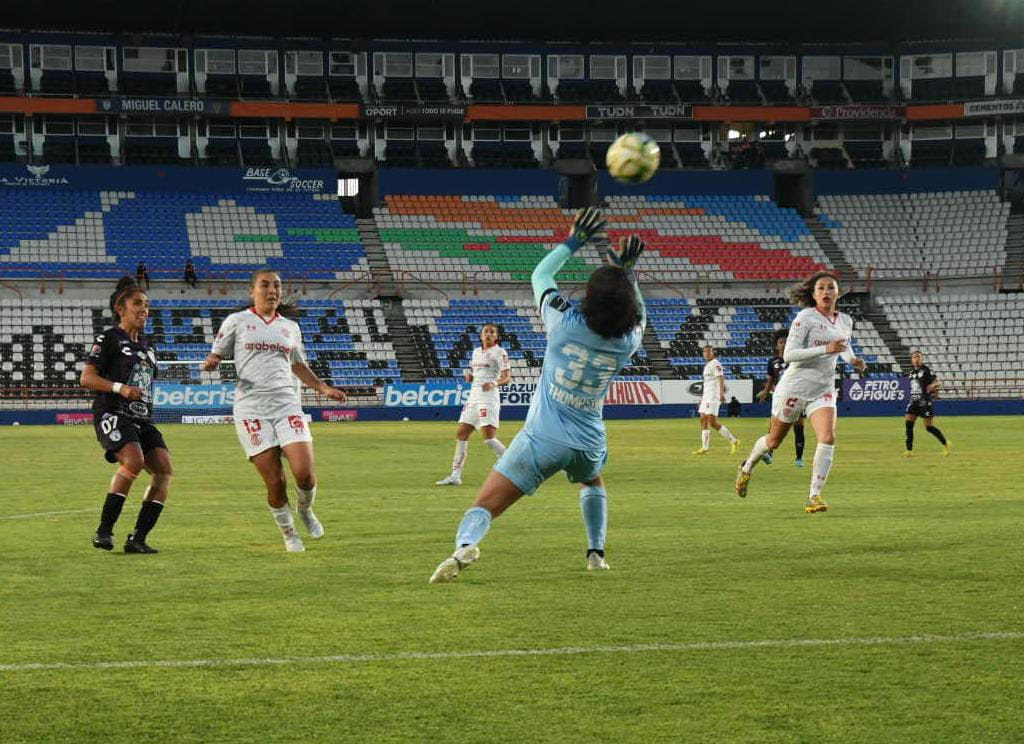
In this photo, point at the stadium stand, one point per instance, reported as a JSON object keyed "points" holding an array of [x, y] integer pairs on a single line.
{"points": [[741, 330], [865, 91], [43, 342], [717, 237], [865, 154], [102, 234], [955, 233], [829, 157], [971, 341], [477, 238], [828, 92], [445, 333], [929, 153]]}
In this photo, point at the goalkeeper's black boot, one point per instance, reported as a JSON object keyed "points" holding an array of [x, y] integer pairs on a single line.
{"points": [[103, 540], [137, 545]]}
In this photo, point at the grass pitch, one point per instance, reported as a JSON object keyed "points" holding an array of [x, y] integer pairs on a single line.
{"points": [[895, 616]]}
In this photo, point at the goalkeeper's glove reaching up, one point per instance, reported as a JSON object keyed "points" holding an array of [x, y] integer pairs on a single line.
{"points": [[588, 222], [627, 254]]}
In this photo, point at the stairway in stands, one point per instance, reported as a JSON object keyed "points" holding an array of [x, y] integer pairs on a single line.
{"points": [[657, 356], [376, 258], [409, 363], [877, 316], [1013, 273], [835, 255]]}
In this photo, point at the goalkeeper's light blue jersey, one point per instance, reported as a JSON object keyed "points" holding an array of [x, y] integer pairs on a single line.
{"points": [[578, 368]]}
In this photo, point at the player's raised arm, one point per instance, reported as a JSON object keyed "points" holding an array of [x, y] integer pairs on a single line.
{"points": [[629, 252], [587, 223]]}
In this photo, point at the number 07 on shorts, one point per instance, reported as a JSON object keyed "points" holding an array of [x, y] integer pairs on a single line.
{"points": [[259, 434]]}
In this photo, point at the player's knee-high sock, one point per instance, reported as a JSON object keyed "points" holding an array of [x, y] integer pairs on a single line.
{"points": [[822, 464], [283, 516], [798, 437], [760, 447], [459, 460], [111, 511], [726, 433], [934, 431], [594, 507], [496, 446], [705, 438], [148, 515], [306, 498], [474, 525], [909, 426]]}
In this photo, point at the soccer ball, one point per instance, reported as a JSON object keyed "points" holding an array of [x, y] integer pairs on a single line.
{"points": [[633, 158]]}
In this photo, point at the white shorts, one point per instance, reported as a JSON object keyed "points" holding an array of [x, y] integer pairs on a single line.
{"points": [[478, 413], [789, 408], [260, 434], [709, 407]]}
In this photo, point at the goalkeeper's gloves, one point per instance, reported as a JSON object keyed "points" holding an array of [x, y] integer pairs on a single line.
{"points": [[628, 253], [588, 222]]}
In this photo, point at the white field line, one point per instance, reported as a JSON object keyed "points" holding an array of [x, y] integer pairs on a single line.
{"points": [[638, 648]]}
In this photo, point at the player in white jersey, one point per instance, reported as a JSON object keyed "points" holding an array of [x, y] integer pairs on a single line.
{"points": [[489, 369], [270, 362], [712, 396], [818, 335]]}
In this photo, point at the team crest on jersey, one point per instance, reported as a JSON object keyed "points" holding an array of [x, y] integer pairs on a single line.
{"points": [[297, 423], [256, 439]]}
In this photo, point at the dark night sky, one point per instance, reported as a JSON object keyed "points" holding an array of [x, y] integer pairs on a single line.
{"points": [[790, 21]]}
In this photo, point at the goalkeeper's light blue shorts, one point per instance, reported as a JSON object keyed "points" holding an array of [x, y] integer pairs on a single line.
{"points": [[529, 461]]}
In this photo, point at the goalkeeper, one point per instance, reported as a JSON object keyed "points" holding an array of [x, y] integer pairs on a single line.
{"points": [[587, 346]]}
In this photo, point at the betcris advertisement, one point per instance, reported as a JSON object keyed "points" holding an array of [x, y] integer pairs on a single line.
{"points": [[456, 393], [877, 391], [166, 395]]}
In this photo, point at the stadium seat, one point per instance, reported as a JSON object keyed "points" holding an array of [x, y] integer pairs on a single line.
{"points": [[94, 234], [971, 340], [956, 233], [717, 238]]}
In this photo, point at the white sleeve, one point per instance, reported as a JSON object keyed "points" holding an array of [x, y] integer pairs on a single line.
{"points": [[224, 343], [796, 343], [505, 363], [298, 355], [719, 371], [847, 355]]}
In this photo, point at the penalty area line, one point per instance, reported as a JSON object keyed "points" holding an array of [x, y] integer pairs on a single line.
{"points": [[637, 648]]}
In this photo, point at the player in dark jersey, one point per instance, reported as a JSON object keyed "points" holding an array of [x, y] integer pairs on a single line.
{"points": [[120, 368], [776, 366], [923, 389]]}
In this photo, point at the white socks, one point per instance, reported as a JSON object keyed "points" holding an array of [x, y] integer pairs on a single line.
{"points": [[459, 460], [705, 438], [496, 446], [726, 433], [822, 464], [306, 498], [283, 517], [760, 447]]}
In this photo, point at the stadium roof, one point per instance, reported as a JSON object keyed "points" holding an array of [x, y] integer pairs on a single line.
{"points": [[789, 21]]}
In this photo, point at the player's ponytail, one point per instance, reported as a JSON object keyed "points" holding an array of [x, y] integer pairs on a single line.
{"points": [[126, 287], [610, 306], [803, 293]]}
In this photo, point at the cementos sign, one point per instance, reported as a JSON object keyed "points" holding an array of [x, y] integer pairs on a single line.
{"points": [[454, 393], [876, 391], [193, 396]]}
